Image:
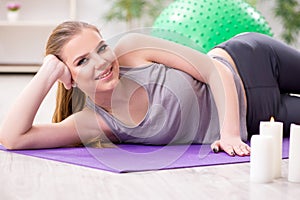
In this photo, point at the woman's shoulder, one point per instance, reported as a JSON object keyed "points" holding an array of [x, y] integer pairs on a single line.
{"points": [[91, 124]]}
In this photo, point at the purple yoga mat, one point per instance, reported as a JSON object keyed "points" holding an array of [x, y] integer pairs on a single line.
{"points": [[133, 158]]}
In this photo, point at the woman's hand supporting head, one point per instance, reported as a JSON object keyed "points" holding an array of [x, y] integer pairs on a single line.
{"points": [[58, 69]]}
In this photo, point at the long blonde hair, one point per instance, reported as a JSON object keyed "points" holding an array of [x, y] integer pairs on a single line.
{"points": [[73, 100]]}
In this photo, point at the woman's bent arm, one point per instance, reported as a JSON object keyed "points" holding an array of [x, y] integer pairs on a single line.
{"points": [[203, 68], [19, 119]]}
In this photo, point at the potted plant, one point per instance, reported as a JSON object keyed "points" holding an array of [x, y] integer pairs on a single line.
{"points": [[13, 11], [132, 11]]}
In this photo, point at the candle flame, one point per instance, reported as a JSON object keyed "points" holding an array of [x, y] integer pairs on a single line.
{"points": [[272, 119]]}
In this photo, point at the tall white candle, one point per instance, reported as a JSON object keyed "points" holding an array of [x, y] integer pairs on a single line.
{"points": [[294, 154], [275, 130], [261, 159]]}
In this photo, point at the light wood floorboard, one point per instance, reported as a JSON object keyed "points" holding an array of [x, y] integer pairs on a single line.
{"points": [[25, 177]]}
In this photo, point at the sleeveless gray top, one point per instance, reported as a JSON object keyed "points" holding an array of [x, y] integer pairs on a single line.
{"points": [[181, 109]]}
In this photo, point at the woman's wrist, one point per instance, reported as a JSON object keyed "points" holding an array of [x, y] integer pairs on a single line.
{"points": [[51, 70], [232, 132]]}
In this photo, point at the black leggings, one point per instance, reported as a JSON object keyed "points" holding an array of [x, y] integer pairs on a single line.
{"points": [[270, 71]]}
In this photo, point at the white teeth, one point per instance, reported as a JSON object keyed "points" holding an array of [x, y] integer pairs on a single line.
{"points": [[106, 74]]}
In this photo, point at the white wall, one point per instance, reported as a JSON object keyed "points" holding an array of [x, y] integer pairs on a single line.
{"points": [[58, 10], [21, 44], [26, 44]]}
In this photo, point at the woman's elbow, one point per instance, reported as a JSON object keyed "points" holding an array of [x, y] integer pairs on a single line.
{"points": [[8, 143]]}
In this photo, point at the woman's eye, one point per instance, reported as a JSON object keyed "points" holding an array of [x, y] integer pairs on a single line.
{"points": [[82, 61], [102, 48]]}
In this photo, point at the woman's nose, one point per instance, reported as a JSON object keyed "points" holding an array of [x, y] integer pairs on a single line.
{"points": [[99, 62]]}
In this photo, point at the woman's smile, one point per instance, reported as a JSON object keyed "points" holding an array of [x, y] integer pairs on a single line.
{"points": [[106, 74]]}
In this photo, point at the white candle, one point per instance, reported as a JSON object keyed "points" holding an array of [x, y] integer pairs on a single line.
{"points": [[275, 130], [261, 159], [294, 154]]}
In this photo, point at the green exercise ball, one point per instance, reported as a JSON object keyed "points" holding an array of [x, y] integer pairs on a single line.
{"points": [[202, 24]]}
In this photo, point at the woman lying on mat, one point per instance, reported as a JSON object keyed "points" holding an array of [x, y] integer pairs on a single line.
{"points": [[151, 91]]}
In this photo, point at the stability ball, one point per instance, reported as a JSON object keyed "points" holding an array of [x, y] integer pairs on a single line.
{"points": [[202, 24]]}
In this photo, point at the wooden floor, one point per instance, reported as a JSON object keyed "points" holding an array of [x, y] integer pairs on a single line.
{"points": [[23, 177]]}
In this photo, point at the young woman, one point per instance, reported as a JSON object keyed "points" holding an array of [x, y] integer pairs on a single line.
{"points": [[151, 91]]}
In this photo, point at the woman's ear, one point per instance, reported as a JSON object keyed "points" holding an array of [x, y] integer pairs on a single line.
{"points": [[74, 84]]}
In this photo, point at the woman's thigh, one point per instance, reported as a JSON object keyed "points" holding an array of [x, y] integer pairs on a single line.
{"points": [[264, 61]]}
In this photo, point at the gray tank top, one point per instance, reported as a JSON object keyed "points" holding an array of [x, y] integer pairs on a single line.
{"points": [[181, 109]]}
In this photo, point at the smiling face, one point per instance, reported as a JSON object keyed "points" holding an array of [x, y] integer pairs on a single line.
{"points": [[92, 63]]}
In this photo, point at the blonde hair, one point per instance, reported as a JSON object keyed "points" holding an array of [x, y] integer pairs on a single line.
{"points": [[73, 100]]}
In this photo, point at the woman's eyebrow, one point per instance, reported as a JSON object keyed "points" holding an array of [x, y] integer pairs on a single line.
{"points": [[99, 45], [80, 57], [86, 54]]}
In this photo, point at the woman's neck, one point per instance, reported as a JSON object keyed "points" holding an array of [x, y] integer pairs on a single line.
{"points": [[128, 102], [112, 99], [104, 100]]}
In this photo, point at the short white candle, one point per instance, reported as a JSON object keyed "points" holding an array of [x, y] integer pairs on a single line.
{"points": [[261, 159], [294, 154], [275, 130]]}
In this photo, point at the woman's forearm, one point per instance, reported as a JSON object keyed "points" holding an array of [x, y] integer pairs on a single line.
{"points": [[224, 91], [20, 117], [225, 95]]}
